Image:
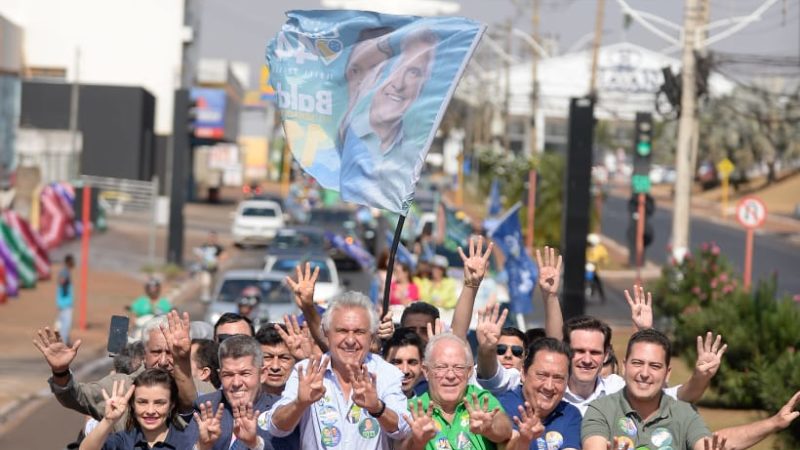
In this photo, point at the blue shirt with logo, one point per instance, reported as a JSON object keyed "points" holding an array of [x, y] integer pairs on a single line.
{"points": [[562, 427]]}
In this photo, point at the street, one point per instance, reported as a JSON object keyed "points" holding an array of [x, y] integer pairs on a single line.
{"points": [[771, 254]]}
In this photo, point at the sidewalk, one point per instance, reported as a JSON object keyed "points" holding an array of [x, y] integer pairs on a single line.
{"points": [[114, 280]]}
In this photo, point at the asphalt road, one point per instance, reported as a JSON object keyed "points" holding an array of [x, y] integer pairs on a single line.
{"points": [[62, 425], [771, 253]]}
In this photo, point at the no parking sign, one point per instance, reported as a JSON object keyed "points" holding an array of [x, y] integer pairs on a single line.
{"points": [[751, 213]]}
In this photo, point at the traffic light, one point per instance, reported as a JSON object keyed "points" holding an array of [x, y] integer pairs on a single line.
{"points": [[643, 137]]}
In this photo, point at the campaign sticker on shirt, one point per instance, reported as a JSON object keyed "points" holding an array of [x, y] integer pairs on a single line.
{"points": [[443, 444], [354, 415], [464, 419], [661, 437], [623, 440], [463, 442], [554, 440], [627, 426], [262, 421], [328, 415], [331, 436], [368, 428]]}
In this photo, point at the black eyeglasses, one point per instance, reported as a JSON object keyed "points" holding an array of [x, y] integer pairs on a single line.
{"points": [[516, 350]]}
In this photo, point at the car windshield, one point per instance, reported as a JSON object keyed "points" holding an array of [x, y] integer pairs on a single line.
{"points": [[289, 264], [272, 291], [297, 239], [329, 216], [261, 211]]}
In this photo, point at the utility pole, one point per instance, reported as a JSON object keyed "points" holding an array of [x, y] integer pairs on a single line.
{"points": [[686, 125], [598, 37], [534, 77], [701, 34], [507, 87]]}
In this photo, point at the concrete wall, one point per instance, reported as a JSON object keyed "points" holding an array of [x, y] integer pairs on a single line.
{"points": [[121, 42]]}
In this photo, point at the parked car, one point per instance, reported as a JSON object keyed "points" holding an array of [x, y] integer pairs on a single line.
{"points": [[277, 298], [256, 222], [328, 282], [306, 238]]}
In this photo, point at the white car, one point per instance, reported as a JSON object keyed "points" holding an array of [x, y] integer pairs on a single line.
{"points": [[328, 283], [256, 222]]}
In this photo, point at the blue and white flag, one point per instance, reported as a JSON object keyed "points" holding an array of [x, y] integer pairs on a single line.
{"points": [[495, 206], [362, 94], [522, 272], [403, 255]]}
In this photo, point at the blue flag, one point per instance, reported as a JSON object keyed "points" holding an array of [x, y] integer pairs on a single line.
{"points": [[456, 230], [352, 249], [494, 198], [361, 95], [403, 255], [521, 270]]}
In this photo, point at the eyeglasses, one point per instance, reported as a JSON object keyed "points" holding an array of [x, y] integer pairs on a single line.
{"points": [[459, 370], [516, 350]]}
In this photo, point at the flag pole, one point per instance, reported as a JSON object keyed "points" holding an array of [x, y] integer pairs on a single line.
{"points": [[387, 285]]}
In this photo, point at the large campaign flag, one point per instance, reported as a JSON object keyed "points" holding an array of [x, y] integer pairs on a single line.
{"points": [[522, 272], [361, 95], [23, 257]]}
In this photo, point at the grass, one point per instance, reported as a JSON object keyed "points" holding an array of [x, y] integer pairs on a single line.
{"points": [[715, 418]]}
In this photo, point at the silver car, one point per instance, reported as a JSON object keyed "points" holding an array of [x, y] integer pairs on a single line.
{"points": [[276, 297]]}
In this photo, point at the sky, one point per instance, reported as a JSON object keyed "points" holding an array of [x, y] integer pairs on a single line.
{"points": [[238, 30]]}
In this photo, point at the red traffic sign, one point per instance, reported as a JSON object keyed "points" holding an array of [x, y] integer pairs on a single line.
{"points": [[751, 212]]}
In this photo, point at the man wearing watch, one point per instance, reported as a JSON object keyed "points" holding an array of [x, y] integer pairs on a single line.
{"points": [[349, 398]]}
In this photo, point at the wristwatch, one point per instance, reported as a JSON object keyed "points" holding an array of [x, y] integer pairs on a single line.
{"points": [[379, 413]]}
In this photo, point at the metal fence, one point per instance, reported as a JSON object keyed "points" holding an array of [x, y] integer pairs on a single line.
{"points": [[129, 198]]}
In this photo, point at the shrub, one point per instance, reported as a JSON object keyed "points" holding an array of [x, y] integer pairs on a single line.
{"points": [[760, 368]]}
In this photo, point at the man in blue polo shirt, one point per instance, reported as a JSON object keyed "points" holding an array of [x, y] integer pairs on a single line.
{"points": [[546, 370]]}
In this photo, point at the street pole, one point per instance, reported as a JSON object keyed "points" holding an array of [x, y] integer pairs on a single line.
{"points": [[680, 216], [598, 37], [74, 105], [507, 92], [701, 34], [534, 78]]}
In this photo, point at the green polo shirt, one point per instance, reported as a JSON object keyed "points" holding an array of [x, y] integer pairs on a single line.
{"points": [[676, 425], [456, 435]]}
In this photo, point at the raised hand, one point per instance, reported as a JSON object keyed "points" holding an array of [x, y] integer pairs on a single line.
{"points": [[480, 418], [310, 386], [386, 327], [490, 324], [476, 264], [244, 423], [209, 423], [549, 271], [529, 424], [364, 384], [709, 355], [117, 402], [787, 414], [435, 329], [177, 335], [421, 422], [714, 442], [57, 354], [296, 338], [641, 307], [303, 288]]}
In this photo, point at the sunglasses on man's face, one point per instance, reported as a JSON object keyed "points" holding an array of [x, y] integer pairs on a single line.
{"points": [[516, 350]]}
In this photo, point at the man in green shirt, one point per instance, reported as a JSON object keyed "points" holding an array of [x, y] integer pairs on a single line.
{"points": [[151, 304], [641, 417], [453, 414]]}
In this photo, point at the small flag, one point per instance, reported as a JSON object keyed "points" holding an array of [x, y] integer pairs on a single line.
{"points": [[522, 272]]}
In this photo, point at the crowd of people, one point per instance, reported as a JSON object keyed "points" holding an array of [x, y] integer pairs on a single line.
{"points": [[348, 378]]}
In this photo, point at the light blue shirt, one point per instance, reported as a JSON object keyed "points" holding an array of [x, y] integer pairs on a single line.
{"points": [[382, 179], [335, 422]]}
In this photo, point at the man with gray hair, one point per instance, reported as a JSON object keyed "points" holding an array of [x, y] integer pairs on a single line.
{"points": [[349, 397], [454, 413], [166, 344]]}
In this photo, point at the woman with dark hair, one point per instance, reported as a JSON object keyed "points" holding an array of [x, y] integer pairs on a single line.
{"points": [[152, 399]]}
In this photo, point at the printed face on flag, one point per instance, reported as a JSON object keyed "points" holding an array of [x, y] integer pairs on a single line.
{"points": [[362, 94]]}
